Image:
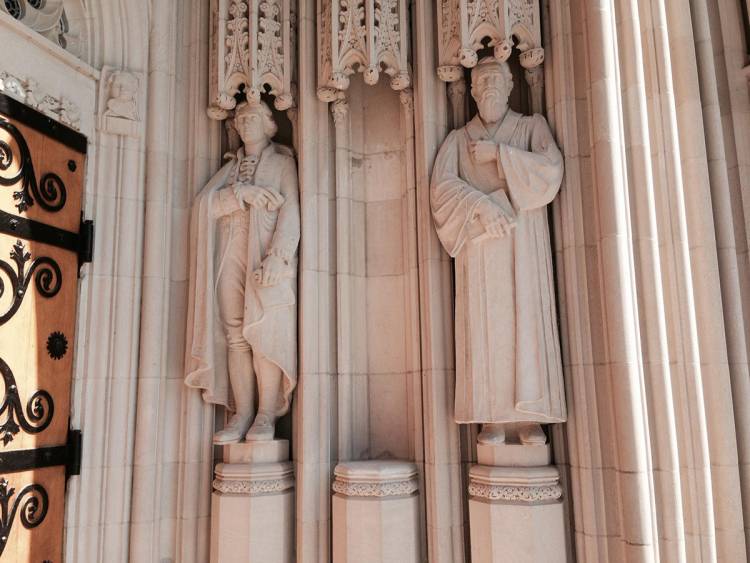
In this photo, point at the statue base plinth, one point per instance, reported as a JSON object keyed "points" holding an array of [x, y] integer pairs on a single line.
{"points": [[376, 512], [516, 513], [252, 504], [513, 455]]}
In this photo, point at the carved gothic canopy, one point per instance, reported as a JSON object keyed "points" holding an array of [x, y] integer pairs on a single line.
{"points": [[252, 51], [368, 36], [464, 25]]}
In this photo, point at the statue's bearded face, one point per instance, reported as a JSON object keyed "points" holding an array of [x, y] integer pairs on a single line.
{"points": [[490, 91], [251, 127]]}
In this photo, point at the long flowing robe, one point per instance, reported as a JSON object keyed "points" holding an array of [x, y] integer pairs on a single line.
{"points": [[270, 314], [508, 366]]}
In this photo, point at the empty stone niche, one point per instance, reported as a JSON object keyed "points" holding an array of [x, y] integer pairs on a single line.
{"points": [[378, 316]]}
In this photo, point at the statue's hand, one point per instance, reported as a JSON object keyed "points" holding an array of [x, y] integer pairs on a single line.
{"points": [[270, 270], [494, 221], [484, 151], [251, 195]]}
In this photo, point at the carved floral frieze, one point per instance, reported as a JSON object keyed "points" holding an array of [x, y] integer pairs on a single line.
{"points": [[252, 51], [27, 90], [367, 36], [465, 26]]}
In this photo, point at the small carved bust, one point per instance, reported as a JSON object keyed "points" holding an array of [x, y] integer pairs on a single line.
{"points": [[123, 88], [242, 325]]}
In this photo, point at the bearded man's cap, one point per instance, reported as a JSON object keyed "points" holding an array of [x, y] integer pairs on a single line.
{"points": [[491, 64]]}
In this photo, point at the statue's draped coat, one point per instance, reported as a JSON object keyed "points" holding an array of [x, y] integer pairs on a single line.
{"points": [[508, 366], [270, 322]]}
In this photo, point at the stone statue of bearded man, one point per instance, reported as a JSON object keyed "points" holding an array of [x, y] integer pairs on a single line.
{"points": [[242, 317], [490, 186]]}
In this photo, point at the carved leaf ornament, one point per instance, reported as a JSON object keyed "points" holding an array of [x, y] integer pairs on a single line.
{"points": [[466, 26], [367, 36], [252, 52]]}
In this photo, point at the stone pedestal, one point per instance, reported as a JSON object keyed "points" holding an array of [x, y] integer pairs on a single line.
{"points": [[515, 510], [376, 512], [252, 505]]}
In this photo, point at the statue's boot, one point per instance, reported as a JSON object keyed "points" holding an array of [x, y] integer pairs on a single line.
{"points": [[263, 429], [492, 434], [269, 390], [242, 378], [532, 435]]}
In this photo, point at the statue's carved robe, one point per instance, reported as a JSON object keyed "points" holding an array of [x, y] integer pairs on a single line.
{"points": [[270, 314], [508, 366]]}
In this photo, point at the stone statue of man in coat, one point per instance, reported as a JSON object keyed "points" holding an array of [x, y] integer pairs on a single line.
{"points": [[491, 183], [242, 316]]}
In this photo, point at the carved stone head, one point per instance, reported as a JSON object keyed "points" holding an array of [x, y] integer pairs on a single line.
{"points": [[491, 85], [123, 86], [254, 122]]}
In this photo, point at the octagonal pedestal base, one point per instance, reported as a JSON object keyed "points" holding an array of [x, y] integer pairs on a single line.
{"points": [[516, 514], [376, 512], [252, 505]]}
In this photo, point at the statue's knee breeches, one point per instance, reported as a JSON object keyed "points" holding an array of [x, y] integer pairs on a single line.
{"points": [[231, 296]]}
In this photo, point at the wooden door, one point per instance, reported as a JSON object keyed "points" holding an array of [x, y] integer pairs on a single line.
{"points": [[42, 242]]}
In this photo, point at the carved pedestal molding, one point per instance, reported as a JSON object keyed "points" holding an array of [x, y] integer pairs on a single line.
{"points": [[515, 484], [361, 35], [376, 512], [254, 480], [375, 479], [27, 91], [252, 50]]}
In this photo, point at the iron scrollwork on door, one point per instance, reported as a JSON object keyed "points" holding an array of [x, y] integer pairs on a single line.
{"points": [[39, 409], [33, 502], [45, 271], [49, 192]]}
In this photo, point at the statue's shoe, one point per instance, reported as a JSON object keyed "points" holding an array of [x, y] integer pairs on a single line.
{"points": [[233, 431], [263, 429], [492, 434], [532, 435]]}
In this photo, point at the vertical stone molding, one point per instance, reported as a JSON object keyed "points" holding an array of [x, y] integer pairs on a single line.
{"points": [[362, 35], [252, 504], [463, 25], [253, 48], [457, 97], [376, 512], [516, 514]]}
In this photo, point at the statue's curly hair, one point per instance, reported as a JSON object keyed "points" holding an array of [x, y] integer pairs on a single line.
{"points": [[269, 125]]}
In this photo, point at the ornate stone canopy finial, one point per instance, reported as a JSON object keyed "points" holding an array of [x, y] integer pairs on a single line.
{"points": [[252, 49], [368, 36], [464, 25]]}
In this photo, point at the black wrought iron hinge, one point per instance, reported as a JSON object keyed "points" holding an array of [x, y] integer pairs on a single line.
{"points": [[85, 241], [68, 455], [74, 449]]}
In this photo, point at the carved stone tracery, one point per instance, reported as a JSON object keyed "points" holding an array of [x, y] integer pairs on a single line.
{"points": [[368, 36], [252, 52], [466, 25]]}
